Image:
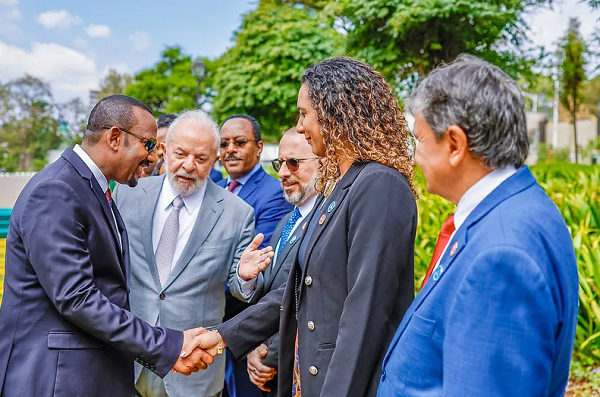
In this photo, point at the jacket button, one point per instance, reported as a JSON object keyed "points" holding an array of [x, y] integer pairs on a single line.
{"points": [[280, 308], [308, 280], [311, 325], [162, 296], [313, 370]]}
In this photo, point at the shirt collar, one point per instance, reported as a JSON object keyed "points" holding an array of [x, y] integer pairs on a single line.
{"points": [[243, 179], [478, 192], [190, 202], [100, 178], [307, 207]]}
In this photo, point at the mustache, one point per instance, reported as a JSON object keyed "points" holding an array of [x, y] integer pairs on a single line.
{"points": [[232, 157], [186, 174], [290, 179]]}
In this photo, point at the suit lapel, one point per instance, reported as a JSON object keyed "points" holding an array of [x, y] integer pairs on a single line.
{"points": [[209, 214], [148, 204], [275, 237], [125, 265], [251, 184], [293, 240], [513, 185]]}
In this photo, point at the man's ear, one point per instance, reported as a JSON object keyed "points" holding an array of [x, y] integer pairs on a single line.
{"points": [[458, 145], [259, 144], [113, 138]]}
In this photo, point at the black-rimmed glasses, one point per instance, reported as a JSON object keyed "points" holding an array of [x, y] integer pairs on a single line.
{"points": [[237, 142], [292, 163], [149, 143]]}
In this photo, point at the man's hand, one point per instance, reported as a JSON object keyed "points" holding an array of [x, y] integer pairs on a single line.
{"points": [[258, 372], [253, 260], [209, 341], [197, 359]]}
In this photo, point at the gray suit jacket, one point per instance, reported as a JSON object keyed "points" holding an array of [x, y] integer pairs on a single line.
{"points": [[194, 294]]}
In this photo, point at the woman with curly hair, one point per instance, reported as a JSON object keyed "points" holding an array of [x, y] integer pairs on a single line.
{"points": [[352, 280]]}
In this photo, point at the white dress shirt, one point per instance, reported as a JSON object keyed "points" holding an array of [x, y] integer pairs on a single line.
{"points": [[475, 195], [249, 287], [100, 178], [242, 180], [187, 215]]}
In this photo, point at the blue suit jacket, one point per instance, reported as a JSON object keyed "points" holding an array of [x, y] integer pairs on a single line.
{"points": [[499, 318], [215, 175], [263, 193], [65, 328]]}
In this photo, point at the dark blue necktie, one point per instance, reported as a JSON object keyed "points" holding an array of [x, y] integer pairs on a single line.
{"points": [[287, 229]]}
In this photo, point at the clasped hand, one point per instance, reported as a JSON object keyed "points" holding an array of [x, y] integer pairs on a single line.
{"points": [[200, 346]]}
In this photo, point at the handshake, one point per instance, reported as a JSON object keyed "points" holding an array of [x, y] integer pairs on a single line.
{"points": [[200, 347]]}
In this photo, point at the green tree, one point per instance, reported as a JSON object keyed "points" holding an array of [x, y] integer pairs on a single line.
{"points": [[113, 83], [169, 86], [261, 74], [28, 129], [572, 55], [72, 119], [406, 39]]}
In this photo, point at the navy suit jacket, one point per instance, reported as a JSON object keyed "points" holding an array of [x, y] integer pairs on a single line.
{"points": [[65, 328], [499, 317], [263, 193], [215, 175]]}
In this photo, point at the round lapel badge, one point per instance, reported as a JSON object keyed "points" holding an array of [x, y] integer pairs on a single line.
{"points": [[331, 207], [454, 248], [322, 219], [437, 273], [293, 240]]}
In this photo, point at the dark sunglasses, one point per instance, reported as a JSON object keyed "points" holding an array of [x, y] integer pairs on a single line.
{"points": [[292, 163], [238, 142], [149, 143]]}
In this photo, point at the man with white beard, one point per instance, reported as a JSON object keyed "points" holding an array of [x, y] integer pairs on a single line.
{"points": [[297, 167], [186, 236]]}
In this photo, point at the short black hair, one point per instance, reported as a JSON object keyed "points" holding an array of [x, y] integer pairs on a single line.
{"points": [[114, 110], [252, 120], [165, 120]]}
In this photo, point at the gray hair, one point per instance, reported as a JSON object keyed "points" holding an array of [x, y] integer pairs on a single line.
{"points": [[199, 118], [481, 99]]}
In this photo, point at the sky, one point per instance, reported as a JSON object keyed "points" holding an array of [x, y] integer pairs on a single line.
{"points": [[72, 44]]}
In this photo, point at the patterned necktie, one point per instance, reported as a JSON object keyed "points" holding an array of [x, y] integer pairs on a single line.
{"points": [[287, 229], [168, 241], [233, 185], [108, 197], [442, 241]]}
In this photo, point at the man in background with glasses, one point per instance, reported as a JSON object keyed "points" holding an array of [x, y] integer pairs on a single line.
{"points": [[65, 324], [241, 146], [298, 170]]}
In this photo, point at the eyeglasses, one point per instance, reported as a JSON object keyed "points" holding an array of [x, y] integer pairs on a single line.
{"points": [[149, 143], [237, 142], [292, 163]]}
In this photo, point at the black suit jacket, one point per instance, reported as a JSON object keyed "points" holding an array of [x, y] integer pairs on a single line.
{"points": [[65, 328], [360, 263]]}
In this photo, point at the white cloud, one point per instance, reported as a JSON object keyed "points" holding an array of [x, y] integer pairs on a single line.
{"points": [[71, 73], [140, 40], [98, 31], [58, 19], [12, 3]]}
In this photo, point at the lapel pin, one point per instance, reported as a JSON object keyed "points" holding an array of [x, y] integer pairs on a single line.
{"points": [[454, 248], [322, 219], [293, 240], [437, 273], [304, 226], [331, 207]]}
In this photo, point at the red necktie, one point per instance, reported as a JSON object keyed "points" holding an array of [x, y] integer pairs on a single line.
{"points": [[233, 185], [442, 241], [108, 197]]}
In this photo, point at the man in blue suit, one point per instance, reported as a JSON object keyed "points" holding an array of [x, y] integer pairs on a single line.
{"points": [[497, 314], [241, 146], [65, 325]]}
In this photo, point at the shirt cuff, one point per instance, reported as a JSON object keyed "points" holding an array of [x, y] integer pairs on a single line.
{"points": [[247, 288]]}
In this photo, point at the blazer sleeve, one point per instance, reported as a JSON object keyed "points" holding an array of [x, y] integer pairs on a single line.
{"points": [[273, 209], [500, 337], [59, 254], [380, 248], [253, 326], [245, 238]]}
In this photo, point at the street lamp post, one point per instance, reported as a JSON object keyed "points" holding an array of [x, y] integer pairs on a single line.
{"points": [[199, 73]]}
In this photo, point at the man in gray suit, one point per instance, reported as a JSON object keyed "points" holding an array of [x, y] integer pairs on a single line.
{"points": [[297, 167], [186, 237]]}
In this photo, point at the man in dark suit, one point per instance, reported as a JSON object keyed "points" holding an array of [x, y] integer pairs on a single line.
{"points": [[497, 314], [297, 167], [241, 146], [65, 328]]}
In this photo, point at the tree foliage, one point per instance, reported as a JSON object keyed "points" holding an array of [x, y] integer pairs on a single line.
{"points": [[114, 83], [573, 73], [261, 74], [406, 39], [27, 128]]}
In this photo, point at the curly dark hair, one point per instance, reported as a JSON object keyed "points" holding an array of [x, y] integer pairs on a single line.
{"points": [[359, 117]]}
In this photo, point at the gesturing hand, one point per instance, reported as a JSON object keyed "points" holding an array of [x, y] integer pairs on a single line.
{"points": [[253, 260], [259, 373], [198, 359]]}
